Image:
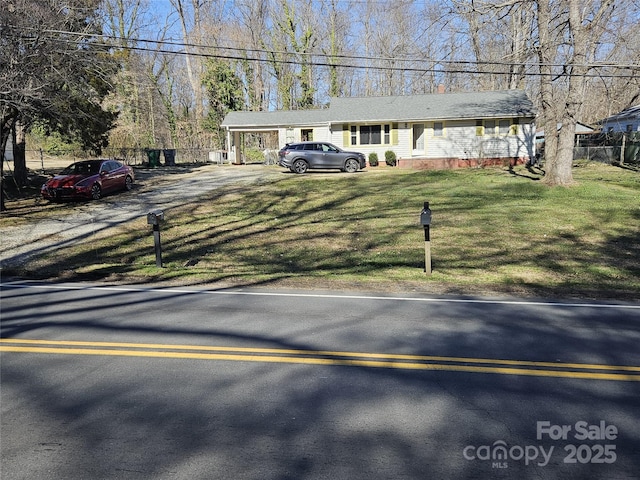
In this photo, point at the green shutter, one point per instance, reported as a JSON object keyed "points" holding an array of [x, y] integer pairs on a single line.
{"points": [[394, 134], [346, 135]]}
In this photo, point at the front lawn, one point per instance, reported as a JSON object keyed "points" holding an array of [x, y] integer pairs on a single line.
{"points": [[493, 231]]}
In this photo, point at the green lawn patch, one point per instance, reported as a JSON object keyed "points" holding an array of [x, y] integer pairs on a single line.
{"points": [[493, 231]]}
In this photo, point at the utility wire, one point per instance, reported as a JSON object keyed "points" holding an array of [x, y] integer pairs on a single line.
{"points": [[439, 65]]}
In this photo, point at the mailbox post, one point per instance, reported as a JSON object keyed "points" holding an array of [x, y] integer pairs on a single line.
{"points": [[425, 221], [154, 218]]}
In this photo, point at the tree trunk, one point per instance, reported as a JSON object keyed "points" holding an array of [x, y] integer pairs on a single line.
{"points": [[193, 61], [583, 32], [6, 129], [19, 155], [546, 51]]}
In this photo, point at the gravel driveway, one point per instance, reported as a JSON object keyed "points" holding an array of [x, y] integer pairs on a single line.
{"points": [[157, 189]]}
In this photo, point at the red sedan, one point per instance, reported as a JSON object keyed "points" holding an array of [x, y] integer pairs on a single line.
{"points": [[89, 179]]}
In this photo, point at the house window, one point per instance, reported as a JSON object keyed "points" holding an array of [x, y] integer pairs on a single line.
{"points": [[490, 127], [387, 134], [354, 135], [438, 129], [629, 128], [503, 127], [370, 135], [513, 130], [307, 135]]}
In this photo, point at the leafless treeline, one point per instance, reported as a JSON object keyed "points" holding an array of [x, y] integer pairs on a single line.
{"points": [[183, 62]]}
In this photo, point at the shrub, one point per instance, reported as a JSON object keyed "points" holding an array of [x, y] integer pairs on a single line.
{"points": [[390, 158], [373, 159], [253, 155]]}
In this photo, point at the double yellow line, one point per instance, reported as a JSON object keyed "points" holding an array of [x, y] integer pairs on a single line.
{"points": [[325, 357]]}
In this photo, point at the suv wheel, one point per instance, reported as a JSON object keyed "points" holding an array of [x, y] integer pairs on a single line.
{"points": [[300, 166], [351, 165]]}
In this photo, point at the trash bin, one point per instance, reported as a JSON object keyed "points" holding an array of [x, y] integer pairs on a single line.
{"points": [[169, 157], [154, 157]]}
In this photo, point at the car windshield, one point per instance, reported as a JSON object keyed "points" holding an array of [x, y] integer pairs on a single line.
{"points": [[330, 148], [82, 168]]}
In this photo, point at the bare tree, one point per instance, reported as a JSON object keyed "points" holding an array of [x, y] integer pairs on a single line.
{"points": [[500, 37], [248, 32], [191, 17], [292, 40], [53, 70], [582, 25], [567, 37], [334, 43]]}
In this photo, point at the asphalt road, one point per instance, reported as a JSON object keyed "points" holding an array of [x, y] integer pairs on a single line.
{"points": [[141, 383]]}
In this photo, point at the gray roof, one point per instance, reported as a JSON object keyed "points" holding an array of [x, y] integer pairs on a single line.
{"points": [[630, 113], [281, 118], [581, 128], [400, 108]]}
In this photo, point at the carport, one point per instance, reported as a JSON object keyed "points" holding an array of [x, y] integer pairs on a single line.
{"points": [[282, 127]]}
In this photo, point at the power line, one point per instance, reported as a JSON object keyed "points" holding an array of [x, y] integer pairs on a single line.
{"points": [[437, 65]]}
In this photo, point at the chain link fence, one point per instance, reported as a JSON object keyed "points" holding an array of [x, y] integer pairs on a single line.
{"points": [[40, 160], [609, 147]]}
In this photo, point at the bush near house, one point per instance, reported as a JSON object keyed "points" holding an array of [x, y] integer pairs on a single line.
{"points": [[373, 159], [390, 158]]}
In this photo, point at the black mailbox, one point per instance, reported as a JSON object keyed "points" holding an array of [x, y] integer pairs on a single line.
{"points": [[155, 217], [425, 215]]}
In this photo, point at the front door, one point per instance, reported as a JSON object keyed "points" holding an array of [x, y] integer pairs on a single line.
{"points": [[418, 139]]}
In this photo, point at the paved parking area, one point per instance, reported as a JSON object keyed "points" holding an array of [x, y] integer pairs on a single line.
{"points": [[155, 189]]}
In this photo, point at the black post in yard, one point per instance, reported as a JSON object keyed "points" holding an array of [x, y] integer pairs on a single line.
{"points": [[425, 220], [158, 247], [155, 218], [427, 250]]}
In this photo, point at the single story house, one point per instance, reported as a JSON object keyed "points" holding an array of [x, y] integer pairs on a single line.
{"points": [[443, 130], [627, 120]]}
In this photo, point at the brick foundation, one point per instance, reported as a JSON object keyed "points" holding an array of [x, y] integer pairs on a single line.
{"points": [[421, 163]]}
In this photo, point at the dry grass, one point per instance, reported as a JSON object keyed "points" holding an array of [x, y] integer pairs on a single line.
{"points": [[494, 231]]}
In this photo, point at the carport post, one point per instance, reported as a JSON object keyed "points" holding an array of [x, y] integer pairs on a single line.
{"points": [[238, 144]]}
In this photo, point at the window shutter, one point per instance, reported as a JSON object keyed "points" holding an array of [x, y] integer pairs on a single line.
{"points": [[514, 129], [346, 135], [394, 134]]}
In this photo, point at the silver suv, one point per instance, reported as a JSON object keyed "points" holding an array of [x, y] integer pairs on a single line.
{"points": [[299, 157]]}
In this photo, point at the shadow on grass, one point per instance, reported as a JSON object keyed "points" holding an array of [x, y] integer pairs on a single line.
{"points": [[345, 228]]}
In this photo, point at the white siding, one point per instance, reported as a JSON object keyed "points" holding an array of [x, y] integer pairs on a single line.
{"points": [[458, 141], [622, 125], [294, 134], [401, 149]]}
